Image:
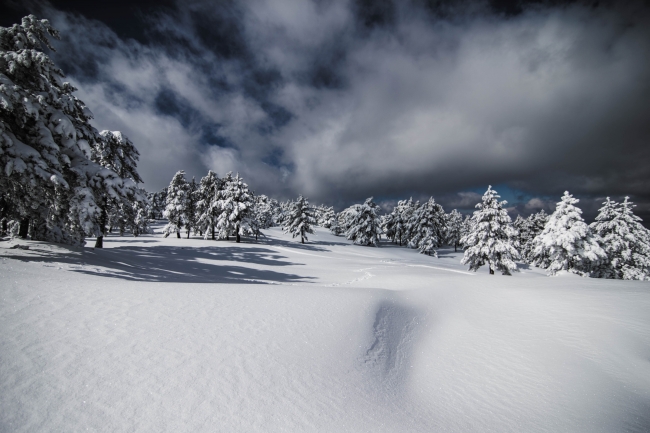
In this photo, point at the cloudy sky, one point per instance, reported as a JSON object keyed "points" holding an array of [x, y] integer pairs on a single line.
{"points": [[341, 100]]}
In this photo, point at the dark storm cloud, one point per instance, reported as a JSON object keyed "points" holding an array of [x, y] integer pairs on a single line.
{"points": [[341, 100]]}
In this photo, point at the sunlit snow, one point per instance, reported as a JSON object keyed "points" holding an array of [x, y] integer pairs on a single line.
{"points": [[152, 334]]}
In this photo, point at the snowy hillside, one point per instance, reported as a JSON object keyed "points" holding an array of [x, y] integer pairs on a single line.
{"points": [[157, 334]]}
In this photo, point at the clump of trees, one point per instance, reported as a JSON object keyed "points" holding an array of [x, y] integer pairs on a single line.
{"points": [[61, 179], [216, 208]]}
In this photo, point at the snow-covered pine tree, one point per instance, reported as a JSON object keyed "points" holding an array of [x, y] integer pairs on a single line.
{"points": [[466, 229], [335, 227], [190, 214], [411, 224], [625, 241], [346, 217], [454, 228], [492, 239], [46, 141], [538, 222], [207, 207], [176, 204], [139, 223], [264, 211], [363, 227], [300, 219], [531, 227], [116, 152], [394, 224], [158, 202], [567, 243], [235, 202], [638, 268], [280, 213], [525, 237], [428, 227], [387, 224], [327, 216]]}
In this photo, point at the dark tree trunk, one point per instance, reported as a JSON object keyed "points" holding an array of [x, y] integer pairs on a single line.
{"points": [[99, 243], [491, 271], [238, 237], [455, 246], [24, 228], [178, 234], [212, 231], [5, 226]]}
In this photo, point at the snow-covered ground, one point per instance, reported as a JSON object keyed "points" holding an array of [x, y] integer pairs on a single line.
{"points": [[178, 335]]}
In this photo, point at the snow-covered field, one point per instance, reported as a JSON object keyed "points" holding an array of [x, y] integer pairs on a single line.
{"points": [[178, 335]]}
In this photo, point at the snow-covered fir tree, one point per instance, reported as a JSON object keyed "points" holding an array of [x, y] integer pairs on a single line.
{"points": [[300, 219], [466, 228], [405, 209], [492, 239], [567, 243], [207, 206], [235, 202], [525, 237], [363, 227], [176, 204], [46, 143], [280, 213], [116, 152], [394, 224], [139, 223], [264, 211], [428, 227], [326, 217], [411, 223], [190, 215], [345, 218], [335, 227], [531, 228], [454, 228], [625, 241], [158, 201]]}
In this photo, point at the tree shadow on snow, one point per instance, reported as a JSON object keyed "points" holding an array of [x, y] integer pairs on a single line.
{"points": [[523, 266], [313, 246], [173, 264]]}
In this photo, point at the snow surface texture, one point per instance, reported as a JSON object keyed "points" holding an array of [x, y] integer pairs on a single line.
{"points": [[153, 335]]}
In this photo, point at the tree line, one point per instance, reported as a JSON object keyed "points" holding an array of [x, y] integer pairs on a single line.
{"points": [[62, 180]]}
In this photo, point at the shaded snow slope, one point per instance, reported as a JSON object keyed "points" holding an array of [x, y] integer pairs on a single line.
{"points": [[154, 334]]}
